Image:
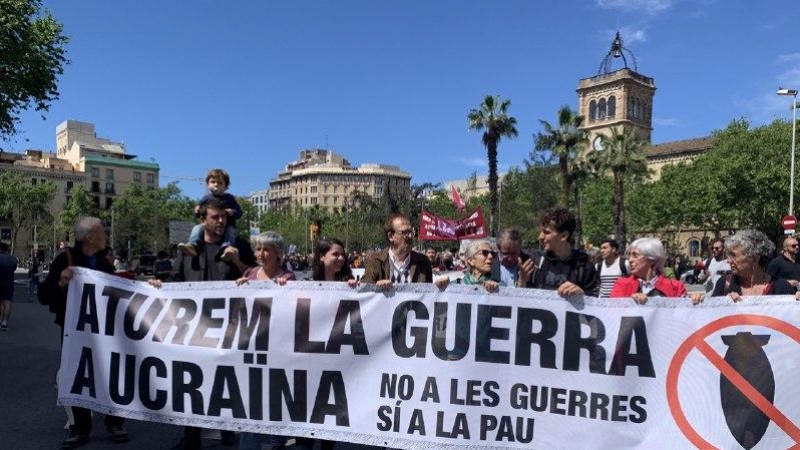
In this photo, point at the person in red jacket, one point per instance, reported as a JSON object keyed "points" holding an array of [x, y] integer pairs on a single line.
{"points": [[646, 279]]}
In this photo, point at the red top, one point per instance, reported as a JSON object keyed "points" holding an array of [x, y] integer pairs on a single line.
{"points": [[627, 286]]}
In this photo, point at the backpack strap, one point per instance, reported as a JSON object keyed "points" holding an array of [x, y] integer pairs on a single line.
{"points": [[623, 267]]}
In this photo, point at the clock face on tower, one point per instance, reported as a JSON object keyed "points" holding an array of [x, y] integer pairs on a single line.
{"points": [[597, 143]]}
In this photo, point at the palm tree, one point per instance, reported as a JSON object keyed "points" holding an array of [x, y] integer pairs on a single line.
{"points": [[623, 156], [492, 117], [565, 142]]}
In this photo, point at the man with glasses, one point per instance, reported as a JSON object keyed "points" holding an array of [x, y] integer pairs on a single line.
{"points": [[785, 266], [716, 266], [398, 263], [513, 267]]}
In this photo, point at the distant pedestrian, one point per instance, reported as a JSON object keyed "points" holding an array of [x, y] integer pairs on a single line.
{"points": [[34, 276], [8, 265]]}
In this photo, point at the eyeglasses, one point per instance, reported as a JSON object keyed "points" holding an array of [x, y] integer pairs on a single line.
{"points": [[486, 253], [403, 232]]}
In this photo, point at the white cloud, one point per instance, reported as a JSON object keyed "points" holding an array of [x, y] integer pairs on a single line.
{"points": [[649, 6], [632, 35], [790, 78], [789, 57], [765, 107], [473, 161], [666, 122]]}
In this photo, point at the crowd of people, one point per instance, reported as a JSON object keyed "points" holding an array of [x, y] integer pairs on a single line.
{"points": [[740, 266]]}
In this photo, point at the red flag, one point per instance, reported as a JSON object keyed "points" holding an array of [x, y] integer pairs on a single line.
{"points": [[434, 228], [460, 205]]}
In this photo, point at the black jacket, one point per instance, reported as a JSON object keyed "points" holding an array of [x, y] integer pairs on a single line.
{"points": [[193, 268], [56, 297], [495, 275], [576, 269]]}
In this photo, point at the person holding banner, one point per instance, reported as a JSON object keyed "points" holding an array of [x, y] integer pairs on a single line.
{"points": [[398, 263], [748, 253], [562, 269], [514, 267], [480, 254], [647, 257], [203, 266], [89, 251], [269, 250]]}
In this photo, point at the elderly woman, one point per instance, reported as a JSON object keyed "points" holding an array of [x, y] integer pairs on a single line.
{"points": [[478, 256], [748, 253], [269, 249], [646, 279]]}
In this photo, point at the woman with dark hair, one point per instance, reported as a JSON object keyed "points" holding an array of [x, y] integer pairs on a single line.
{"points": [[329, 262]]}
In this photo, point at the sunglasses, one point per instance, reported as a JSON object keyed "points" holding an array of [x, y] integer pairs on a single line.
{"points": [[486, 253], [792, 246]]}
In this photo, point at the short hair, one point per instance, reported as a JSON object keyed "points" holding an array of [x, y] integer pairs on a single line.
{"points": [[321, 248], [212, 203], [511, 235], [85, 226], [388, 225], [271, 239], [652, 249], [754, 244], [219, 175], [611, 243], [561, 218], [791, 236], [475, 245]]}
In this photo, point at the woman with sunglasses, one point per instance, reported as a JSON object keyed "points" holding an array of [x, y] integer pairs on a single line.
{"points": [[478, 256], [646, 279], [748, 253]]}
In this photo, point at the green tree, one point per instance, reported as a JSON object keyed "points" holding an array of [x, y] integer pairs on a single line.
{"points": [[623, 157], [23, 204], [493, 119], [32, 57], [565, 142], [80, 205]]}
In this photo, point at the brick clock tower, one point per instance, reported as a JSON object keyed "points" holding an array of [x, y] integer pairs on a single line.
{"points": [[616, 98]]}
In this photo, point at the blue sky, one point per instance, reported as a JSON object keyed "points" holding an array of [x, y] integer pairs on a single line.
{"points": [[245, 85]]}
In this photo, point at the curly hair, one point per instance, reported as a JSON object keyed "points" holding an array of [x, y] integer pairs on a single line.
{"points": [[755, 245], [561, 219]]}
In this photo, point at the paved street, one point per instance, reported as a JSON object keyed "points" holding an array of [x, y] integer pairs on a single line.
{"points": [[29, 417]]}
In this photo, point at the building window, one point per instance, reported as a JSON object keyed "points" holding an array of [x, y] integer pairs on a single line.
{"points": [[109, 202], [96, 172], [109, 187], [592, 111], [33, 181], [109, 174], [137, 176], [69, 187], [151, 178], [612, 107], [601, 109], [96, 186], [694, 248]]}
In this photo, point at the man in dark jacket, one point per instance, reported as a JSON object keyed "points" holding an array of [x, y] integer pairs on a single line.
{"points": [[562, 269], [203, 266], [513, 267], [89, 249]]}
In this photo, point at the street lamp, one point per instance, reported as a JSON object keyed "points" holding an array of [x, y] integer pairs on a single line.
{"points": [[793, 93]]}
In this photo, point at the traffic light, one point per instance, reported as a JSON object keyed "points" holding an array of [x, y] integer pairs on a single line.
{"points": [[315, 229]]}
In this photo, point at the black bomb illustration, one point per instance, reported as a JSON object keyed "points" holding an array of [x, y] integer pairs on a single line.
{"points": [[746, 356]]}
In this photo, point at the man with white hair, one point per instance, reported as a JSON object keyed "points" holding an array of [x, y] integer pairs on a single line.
{"points": [[89, 252]]}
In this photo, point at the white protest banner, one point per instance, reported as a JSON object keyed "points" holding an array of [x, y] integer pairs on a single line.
{"points": [[416, 368]]}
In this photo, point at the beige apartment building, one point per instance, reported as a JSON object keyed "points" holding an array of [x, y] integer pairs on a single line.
{"points": [[323, 177], [81, 157]]}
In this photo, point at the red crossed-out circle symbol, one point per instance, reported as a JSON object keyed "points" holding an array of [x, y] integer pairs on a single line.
{"points": [[697, 341]]}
